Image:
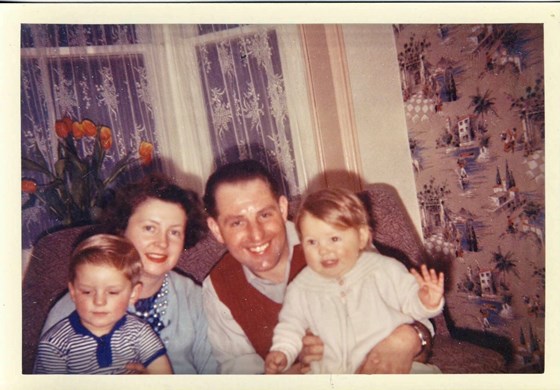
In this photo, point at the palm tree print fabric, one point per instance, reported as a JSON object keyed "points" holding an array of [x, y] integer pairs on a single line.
{"points": [[474, 103]]}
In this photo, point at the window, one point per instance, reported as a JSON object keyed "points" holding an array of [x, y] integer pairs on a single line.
{"points": [[82, 72], [202, 95]]}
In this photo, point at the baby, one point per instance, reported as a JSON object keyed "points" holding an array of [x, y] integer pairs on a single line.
{"points": [[350, 297], [99, 337]]}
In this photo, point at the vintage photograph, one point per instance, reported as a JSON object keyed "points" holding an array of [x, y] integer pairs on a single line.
{"points": [[212, 198]]}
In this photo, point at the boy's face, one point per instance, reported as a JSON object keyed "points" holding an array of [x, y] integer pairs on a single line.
{"points": [[329, 250], [102, 294]]}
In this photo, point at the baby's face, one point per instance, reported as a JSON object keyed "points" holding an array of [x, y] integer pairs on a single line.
{"points": [[102, 294], [330, 250]]}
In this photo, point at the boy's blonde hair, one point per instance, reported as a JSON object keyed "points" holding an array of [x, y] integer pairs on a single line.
{"points": [[107, 249], [335, 206]]}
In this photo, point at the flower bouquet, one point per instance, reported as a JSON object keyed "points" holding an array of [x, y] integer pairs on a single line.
{"points": [[74, 186]]}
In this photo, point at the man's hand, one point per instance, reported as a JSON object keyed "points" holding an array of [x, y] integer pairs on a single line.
{"points": [[312, 351], [394, 354]]}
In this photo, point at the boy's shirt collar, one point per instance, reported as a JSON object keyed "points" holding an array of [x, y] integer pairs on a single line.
{"points": [[79, 328], [104, 352]]}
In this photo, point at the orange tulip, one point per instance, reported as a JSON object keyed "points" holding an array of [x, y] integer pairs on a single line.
{"points": [[146, 152], [77, 130], [68, 122], [61, 129], [105, 137], [28, 186], [89, 128]]}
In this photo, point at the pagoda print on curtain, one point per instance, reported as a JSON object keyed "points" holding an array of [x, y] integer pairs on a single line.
{"points": [[473, 97]]}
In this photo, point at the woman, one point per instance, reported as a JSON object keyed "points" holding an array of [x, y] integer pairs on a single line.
{"points": [[161, 219]]}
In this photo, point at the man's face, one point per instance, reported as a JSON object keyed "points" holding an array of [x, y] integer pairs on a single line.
{"points": [[251, 223]]}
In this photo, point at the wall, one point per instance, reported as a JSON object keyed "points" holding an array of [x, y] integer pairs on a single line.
{"points": [[480, 170], [329, 103], [359, 130], [380, 118]]}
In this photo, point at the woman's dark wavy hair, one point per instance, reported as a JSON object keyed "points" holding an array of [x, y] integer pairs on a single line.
{"points": [[116, 214]]}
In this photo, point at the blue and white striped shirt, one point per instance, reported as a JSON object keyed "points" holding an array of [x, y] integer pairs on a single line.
{"points": [[70, 348]]}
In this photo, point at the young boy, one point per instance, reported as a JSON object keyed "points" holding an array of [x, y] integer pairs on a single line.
{"points": [[99, 337], [349, 297]]}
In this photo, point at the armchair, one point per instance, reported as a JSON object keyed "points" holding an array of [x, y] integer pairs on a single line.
{"points": [[454, 351]]}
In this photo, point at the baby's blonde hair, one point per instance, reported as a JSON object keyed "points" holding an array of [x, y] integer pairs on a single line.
{"points": [[335, 206], [107, 249]]}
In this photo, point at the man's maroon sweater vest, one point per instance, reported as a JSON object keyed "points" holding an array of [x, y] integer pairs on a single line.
{"points": [[255, 313]]}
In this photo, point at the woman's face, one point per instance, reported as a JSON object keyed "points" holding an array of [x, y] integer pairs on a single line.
{"points": [[157, 230]]}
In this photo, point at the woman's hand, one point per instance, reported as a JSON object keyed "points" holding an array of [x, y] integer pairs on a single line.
{"points": [[136, 368]]}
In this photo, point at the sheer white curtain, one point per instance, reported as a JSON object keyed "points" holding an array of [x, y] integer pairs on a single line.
{"points": [[243, 94]]}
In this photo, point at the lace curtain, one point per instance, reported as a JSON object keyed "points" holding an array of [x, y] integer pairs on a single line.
{"points": [[244, 92], [202, 95]]}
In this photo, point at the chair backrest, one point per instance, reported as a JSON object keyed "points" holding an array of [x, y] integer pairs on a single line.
{"points": [[46, 277], [394, 233], [197, 262], [45, 281]]}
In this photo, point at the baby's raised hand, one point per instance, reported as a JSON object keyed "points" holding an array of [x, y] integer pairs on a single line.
{"points": [[275, 362], [431, 286]]}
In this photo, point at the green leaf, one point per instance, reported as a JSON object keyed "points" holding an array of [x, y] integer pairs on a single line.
{"points": [[59, 167], [98, 156], [70, 150], [53, 198], [38, 154], [79, 165], [98, 151], [70, 146], [76, 183], [119, 168], [30, 202], [60, 150], [33, 166]]}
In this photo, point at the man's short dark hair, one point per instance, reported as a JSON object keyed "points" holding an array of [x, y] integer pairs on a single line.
{"points": [[235, 172]]}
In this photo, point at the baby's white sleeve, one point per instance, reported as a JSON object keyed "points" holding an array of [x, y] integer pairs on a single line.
{"points": [[291, 327]]}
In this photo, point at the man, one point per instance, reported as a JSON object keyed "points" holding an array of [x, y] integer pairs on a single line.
{"points": [[244, 292]]}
